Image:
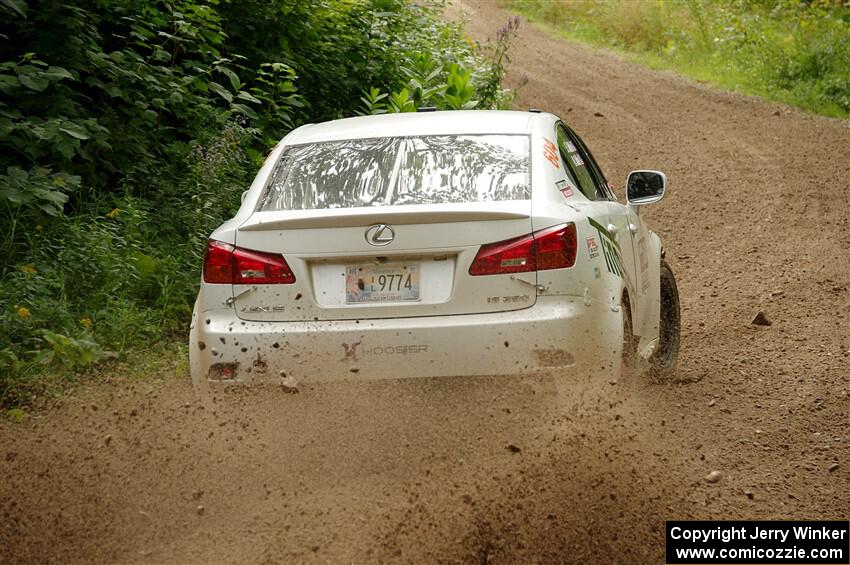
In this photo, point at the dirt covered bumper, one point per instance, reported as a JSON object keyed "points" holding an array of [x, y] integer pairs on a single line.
{"points": [[555, 333]]}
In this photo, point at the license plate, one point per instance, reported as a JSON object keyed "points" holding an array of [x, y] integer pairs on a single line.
{"points": [[391, 282]]}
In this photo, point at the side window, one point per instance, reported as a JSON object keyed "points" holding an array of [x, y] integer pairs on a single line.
{"points": [[577, 165], [602, 188]]}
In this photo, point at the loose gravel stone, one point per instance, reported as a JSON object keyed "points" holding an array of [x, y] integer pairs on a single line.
{"points": [[760, 319]]}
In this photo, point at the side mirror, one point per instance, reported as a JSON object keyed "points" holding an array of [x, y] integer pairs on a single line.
{"points": [[645, 187], [244, 194]]}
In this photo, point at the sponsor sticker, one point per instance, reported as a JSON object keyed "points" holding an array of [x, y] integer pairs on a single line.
{"points": [[592, 246], [564, 187], [610, 250]]}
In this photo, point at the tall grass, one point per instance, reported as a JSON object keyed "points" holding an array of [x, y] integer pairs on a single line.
{"points": [[791, 51]]}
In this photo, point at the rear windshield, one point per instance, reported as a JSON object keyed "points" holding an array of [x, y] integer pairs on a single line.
{"points": [[392, 171]]}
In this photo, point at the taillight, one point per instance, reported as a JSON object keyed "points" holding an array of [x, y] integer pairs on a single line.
{"points": [[256, 267], [556, 247], [218, 262], [550, 248], [226, 264]]}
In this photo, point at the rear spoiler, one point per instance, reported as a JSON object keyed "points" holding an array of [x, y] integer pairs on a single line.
{"points": [[398, 215]]}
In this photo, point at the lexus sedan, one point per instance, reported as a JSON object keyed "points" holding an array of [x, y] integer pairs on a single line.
{"points": [[434, 244]]}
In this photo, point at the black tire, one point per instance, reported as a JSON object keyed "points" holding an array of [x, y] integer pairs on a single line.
{"points": [[662, 364], [629, 354]]}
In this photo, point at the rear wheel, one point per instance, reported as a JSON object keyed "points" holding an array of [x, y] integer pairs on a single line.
{"points": [[629, 354], [662, 363]]}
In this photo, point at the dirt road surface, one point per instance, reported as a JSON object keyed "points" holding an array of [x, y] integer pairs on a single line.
{"points": [[492, 471]]}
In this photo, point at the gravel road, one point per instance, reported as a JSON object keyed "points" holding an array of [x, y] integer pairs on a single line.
{"points": [[495, 470]]}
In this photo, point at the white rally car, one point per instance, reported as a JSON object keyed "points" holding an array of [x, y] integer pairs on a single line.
{"points": [[432, 244]]}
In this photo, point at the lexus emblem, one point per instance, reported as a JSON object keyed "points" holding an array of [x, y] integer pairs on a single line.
{"points": [[380, 234]]}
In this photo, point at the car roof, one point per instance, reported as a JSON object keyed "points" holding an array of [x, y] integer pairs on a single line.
{"points": [[450, 122]]}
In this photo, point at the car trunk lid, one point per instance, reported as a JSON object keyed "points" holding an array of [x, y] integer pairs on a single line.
{"points": [[422, 270]]}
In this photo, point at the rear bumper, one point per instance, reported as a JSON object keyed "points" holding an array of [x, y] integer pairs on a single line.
{"points": [[556, 333]]}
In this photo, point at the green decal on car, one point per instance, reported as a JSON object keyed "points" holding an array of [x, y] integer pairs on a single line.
{"points": [[610, 249]]}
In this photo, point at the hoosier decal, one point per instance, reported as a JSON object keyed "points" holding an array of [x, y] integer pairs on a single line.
{"points": [[610, 250]]}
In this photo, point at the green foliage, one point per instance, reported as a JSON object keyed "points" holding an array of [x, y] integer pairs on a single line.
{"points": [[792, 51], [37, 188], [459, 92], [16, 415], [447, 83], [374, 102], [401, 102], [129, 129], [68, 352]]}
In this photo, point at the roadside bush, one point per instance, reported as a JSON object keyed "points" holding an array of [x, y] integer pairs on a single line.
{"points": [[129, 129]]}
